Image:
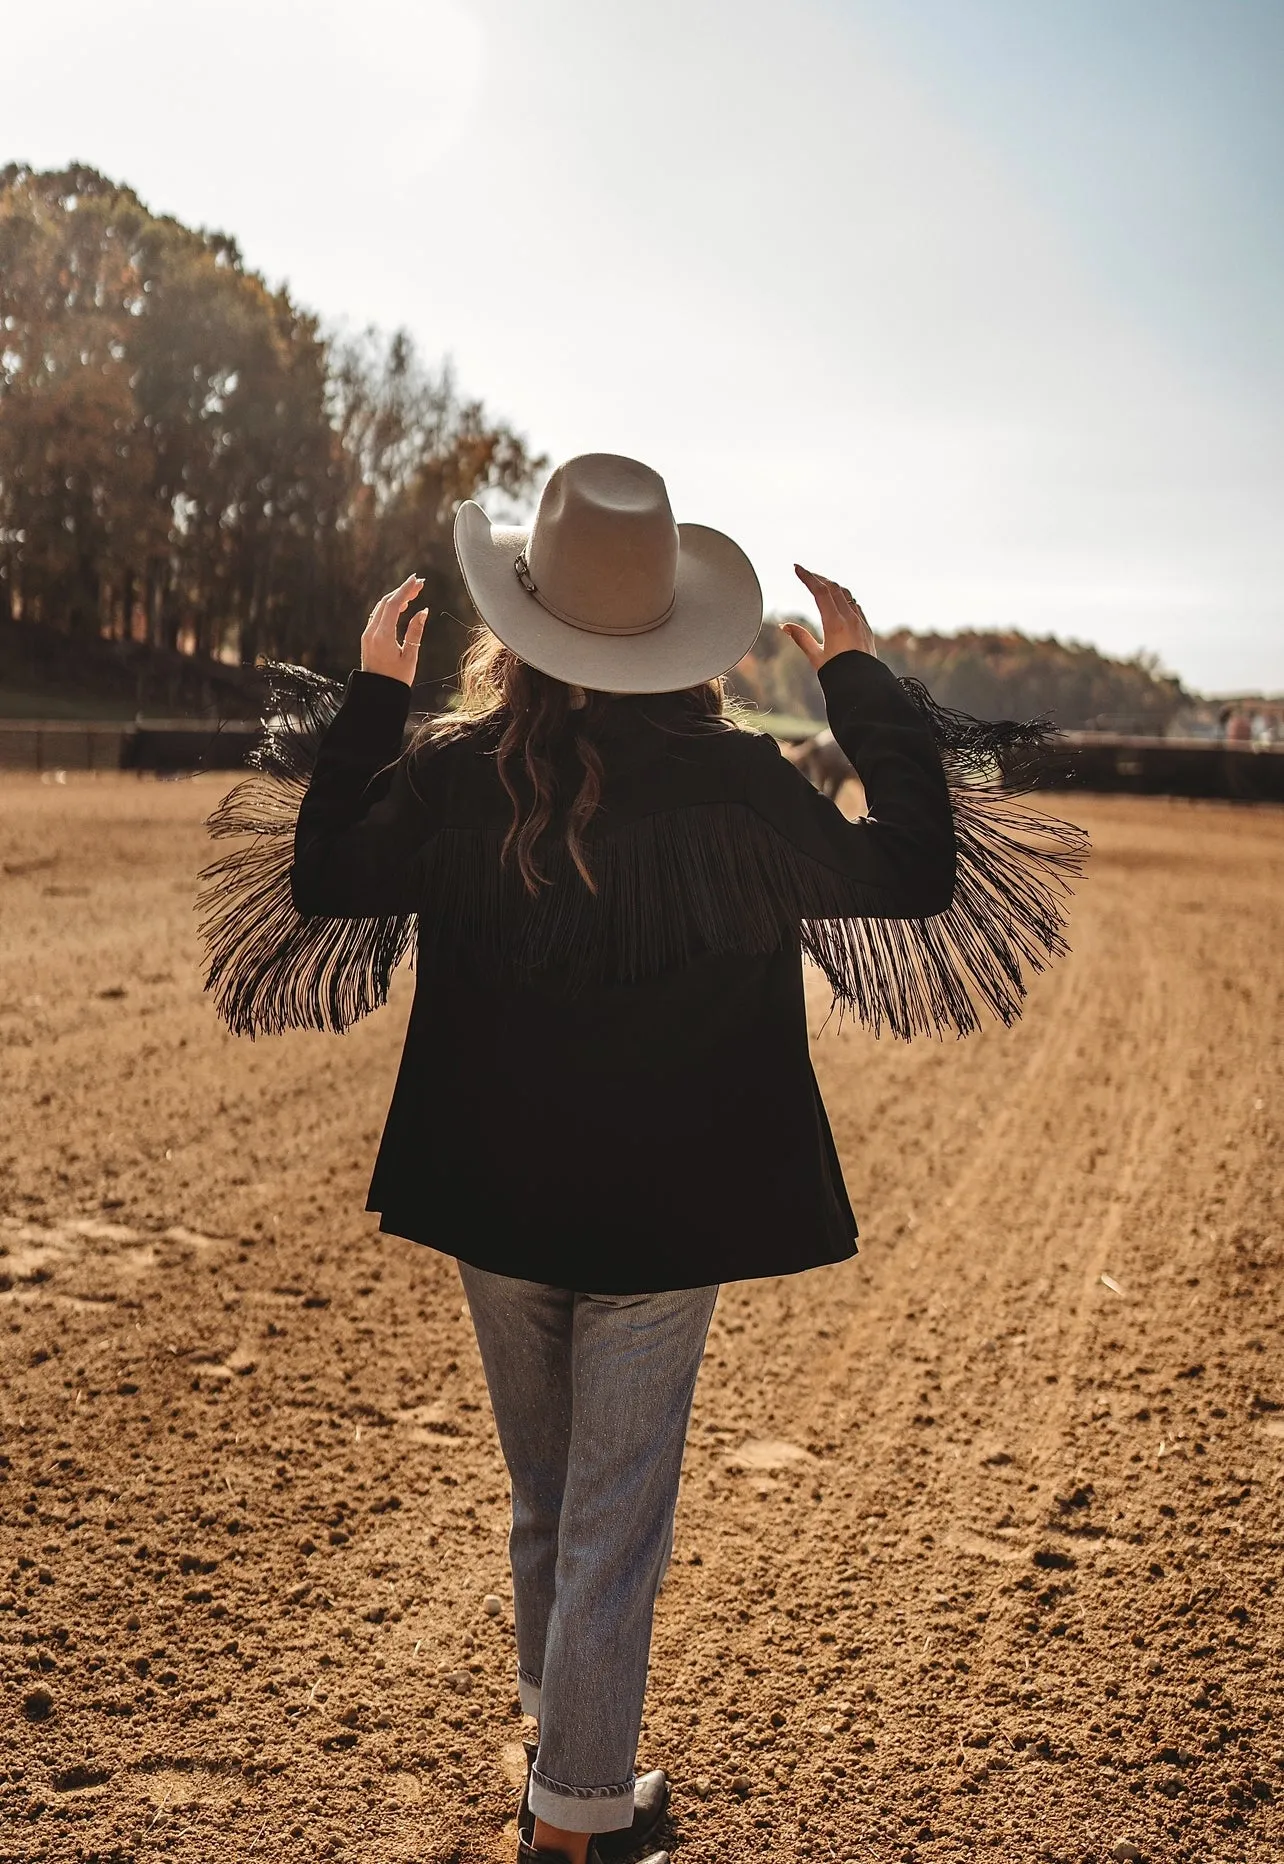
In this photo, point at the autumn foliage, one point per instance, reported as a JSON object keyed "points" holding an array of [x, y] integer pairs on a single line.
{"points": [[188, 459], [991, 674]]}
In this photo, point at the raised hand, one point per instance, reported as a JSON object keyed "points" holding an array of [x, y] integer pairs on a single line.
{"points": [[380, 650], [841, 618]]}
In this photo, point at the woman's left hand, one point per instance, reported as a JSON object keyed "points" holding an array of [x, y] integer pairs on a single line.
{"points": [[841, 617], [380, 650]]}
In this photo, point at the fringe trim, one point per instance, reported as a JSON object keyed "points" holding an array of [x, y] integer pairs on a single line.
{"points": [[710, 879], [1008, 915], [269, 968], [1007, 918], [983, 750]]}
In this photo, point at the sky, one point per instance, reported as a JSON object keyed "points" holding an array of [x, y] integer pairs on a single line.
{"points": [[974, 305]]}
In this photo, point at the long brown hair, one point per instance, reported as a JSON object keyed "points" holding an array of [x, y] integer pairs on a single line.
{"points": [[540, 720]]}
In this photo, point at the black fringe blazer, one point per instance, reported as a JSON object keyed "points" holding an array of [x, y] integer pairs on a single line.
{"points": [[612, 1091]]}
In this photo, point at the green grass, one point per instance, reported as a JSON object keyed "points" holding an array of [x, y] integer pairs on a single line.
{"points": [[791, 726]]}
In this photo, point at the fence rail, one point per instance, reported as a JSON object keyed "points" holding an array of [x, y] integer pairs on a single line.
{"points": [[1085, 760], [161, 744], [1079, 760]]}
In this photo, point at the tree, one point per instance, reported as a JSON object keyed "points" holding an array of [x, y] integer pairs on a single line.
{"points": [[1006, 674], [185, 455], [414, 452], [991, 674]]}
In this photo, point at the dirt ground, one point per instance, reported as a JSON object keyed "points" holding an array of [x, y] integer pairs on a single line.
{"points": [[981, 1534]]}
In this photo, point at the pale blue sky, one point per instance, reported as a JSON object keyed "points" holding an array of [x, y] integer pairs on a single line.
{"points": [[973, 304]]}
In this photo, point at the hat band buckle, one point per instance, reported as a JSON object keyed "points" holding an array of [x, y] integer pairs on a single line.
{"points": [[524, 577]]}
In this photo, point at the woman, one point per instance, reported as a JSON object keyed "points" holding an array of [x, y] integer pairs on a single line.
{"points": [[611, 886]]}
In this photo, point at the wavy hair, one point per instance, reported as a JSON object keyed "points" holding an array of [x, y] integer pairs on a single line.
{"points": [[546, 729]]}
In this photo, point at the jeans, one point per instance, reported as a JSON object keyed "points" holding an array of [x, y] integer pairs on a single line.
{"points": [[592, 1396]]}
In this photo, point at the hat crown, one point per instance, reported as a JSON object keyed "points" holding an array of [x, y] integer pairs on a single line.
{"points": [[603, 549]]}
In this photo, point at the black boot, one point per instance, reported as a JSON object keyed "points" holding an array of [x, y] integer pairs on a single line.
{"points": [[650, 1803]]}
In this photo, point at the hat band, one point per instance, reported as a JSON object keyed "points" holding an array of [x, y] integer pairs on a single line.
{"points": [[527, 581]]}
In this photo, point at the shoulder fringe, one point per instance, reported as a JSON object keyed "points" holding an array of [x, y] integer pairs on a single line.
{"points": [[715, 878]]}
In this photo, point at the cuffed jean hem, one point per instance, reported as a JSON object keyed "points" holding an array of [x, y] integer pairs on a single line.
{"points": [[528, 1692], [580, 1808]]}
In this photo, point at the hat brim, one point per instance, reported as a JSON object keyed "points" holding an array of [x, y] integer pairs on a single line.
{"points": [[715, 621]]}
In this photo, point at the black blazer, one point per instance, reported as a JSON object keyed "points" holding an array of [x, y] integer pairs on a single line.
{"points": [[612, 1135], [613, 1091]]}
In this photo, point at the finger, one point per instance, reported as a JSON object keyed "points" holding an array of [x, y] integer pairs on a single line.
{"points": [[832, 611], [814, 579], [378, 614], [390, 608], [415, 628], [821, 590], [846, 607], [400, 600], [833, 589], [806, 640]]}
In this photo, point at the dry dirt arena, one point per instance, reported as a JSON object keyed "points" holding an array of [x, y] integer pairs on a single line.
{"points": [[979, 1552]]}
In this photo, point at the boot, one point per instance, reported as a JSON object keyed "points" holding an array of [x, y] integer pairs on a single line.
{"points": [[650, 1803], [527, 1854]]}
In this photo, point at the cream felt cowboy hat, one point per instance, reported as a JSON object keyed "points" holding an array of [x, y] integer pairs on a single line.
{"points": [[605, 591]]}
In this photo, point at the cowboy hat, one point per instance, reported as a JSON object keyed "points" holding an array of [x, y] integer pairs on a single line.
{"points": [[604, 590]]}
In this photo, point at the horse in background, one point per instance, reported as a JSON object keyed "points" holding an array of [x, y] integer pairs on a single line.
{"points": [[823, 762]]}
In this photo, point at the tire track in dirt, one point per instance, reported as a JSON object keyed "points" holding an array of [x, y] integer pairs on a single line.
{"points": [[1154, 1077]]}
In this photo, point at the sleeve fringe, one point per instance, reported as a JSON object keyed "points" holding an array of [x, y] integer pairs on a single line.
{"points": [[1008, 917], [715, 878], [269, 969]]}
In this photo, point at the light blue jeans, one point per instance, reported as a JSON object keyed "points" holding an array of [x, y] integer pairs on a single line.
{"points": [[592, 1396]]}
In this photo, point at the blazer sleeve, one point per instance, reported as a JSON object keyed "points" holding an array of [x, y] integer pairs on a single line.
{"points": [[362, 822], [898, 861]]}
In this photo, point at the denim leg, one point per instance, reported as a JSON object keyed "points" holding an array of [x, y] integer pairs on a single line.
{"points": [[524, 1331], [635, 1359]]}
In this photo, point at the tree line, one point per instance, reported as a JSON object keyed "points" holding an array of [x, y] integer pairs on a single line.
{"points": [[991, 674], [187, 458]]}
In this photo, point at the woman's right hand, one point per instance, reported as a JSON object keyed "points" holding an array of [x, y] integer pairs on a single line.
{"points": [[381, 652], [841, 617]]}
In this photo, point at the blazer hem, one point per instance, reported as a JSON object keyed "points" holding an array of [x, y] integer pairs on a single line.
{"points": [[700, 1273]]}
